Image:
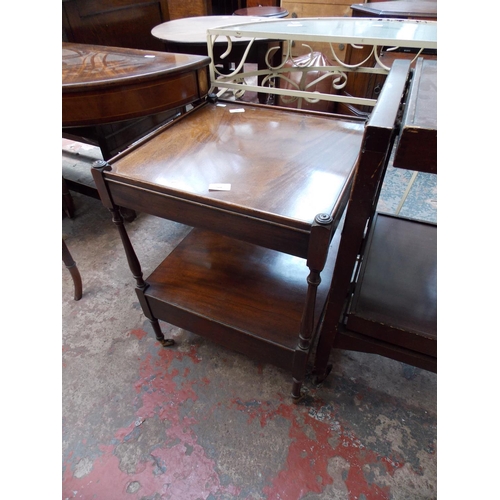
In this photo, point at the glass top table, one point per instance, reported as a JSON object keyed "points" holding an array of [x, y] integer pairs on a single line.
{"points": [[365, 38], [407, 33]]}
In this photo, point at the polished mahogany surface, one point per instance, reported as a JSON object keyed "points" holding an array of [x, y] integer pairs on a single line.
{"points": [[105, 84], [283, 166], [416, 9], [241, 295]]}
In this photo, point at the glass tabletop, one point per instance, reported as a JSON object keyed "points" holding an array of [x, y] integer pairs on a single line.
{"points": [[407, 33]]}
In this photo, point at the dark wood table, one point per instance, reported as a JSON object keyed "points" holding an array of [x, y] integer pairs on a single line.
{"points": [[400, 9], [113, 96], [102, 85], [265, 191]]}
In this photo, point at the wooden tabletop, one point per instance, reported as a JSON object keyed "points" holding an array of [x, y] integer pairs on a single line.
{"points": [[278, 170], [95, 66], [105, 84], [421, 9]]}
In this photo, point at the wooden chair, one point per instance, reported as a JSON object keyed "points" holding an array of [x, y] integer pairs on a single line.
{"points": [[67, 200], [69, 210], [73, 270], [383, 297]]}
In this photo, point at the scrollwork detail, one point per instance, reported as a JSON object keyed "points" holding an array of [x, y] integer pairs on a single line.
{"points": [[276, 77]]}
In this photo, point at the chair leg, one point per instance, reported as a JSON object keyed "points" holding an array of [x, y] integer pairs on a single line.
{"points": [[73, 270], [67, 201]]}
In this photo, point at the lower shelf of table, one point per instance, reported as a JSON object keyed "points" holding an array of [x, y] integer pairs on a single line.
{"points": [[395, 298], [244, 297]]}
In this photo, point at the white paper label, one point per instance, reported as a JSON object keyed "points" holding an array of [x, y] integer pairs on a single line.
{"points": [[219, 187]]}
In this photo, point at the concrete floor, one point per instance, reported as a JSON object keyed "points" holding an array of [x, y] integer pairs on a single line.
{"points": [[197, 421]]}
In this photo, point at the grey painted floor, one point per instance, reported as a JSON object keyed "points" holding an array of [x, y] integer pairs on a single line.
{"points": [[199, 422]]}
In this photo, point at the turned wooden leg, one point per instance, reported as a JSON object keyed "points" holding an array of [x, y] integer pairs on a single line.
{"points": [[297, 390], [73, 270], [159, 334], [141, 285], [99, 167], [318, 250], [305, 336]]}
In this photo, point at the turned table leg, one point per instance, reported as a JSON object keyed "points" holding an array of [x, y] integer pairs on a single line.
{"points": [[141, 285]]}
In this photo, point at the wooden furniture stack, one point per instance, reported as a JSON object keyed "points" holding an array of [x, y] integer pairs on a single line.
{"points": [[265, 190], [383, 297]]}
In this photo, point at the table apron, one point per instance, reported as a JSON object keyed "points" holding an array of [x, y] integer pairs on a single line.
{"points": [[245, 227]]}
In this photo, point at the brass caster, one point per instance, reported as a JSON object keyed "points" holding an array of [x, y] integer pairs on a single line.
{"points": [[297, 399]]}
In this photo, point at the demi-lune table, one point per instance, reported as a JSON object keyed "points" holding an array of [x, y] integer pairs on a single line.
{"points": [[113, 96], [103, 85]]}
